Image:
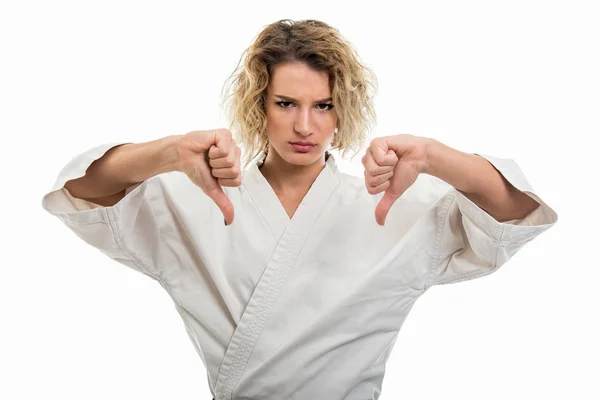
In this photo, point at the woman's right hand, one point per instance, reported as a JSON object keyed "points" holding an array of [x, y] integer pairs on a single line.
{"points": [[211, 159]]}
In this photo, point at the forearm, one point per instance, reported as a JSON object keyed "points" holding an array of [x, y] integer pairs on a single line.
{"points": [[126, 165], [479, 181]]}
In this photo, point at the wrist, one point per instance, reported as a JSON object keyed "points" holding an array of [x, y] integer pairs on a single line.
{"points": [[172, 160], [461, 170], [433, 150], [145, 160]]}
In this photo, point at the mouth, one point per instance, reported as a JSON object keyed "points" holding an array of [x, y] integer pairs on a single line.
{"points": [[303, 147]]}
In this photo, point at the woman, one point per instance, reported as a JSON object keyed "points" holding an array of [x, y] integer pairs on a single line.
{"points": [[301, 291]]}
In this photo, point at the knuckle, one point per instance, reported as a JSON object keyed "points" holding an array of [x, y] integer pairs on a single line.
{"points": [[374, 181], [376, 142], [224, 132]]}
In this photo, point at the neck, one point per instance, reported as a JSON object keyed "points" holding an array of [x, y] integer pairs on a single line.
{"points": [[285, 177]]}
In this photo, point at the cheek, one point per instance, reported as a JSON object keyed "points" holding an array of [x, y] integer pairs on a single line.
{"points": [[328, 124], [277, 120], [330, 119]]}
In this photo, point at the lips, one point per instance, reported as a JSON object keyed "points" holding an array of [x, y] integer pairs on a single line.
{"points": [[304, 143], [303, 147]]}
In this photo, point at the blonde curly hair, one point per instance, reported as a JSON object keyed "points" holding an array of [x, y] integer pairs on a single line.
{"points": [[318, 45]]}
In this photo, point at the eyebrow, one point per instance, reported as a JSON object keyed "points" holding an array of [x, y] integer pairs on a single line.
{"points": [[292, 99]]}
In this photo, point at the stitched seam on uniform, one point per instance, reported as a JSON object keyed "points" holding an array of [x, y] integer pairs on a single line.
{"points": [[525, 238], [480, 273], [234, 333], [277, 240], [121, 245], [316, 220], [502, 228], [161, 274], [465, 275], [233, 336], [255, 325], [438, 240]]}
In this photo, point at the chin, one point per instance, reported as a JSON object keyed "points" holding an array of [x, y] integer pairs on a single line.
{"points": [[302, 159]]}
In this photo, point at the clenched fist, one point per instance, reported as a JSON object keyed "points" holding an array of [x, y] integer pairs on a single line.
{"points": [[211, 159], [392, 164]]}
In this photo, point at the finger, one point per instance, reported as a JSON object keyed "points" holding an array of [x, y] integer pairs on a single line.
{"points": [[235, 182], [222, 201], [372, 167], [382, 209], [223, 162], [404, 177], [379, 188], [225, 142], [382, 154], [378, 171], [377, 180], [216, 152], [221, 134], [227, 173]]}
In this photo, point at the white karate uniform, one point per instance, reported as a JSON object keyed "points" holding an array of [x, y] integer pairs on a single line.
{"points": [[300, 308]]}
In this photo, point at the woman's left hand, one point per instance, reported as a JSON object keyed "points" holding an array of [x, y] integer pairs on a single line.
{"points": [[392, 164]]}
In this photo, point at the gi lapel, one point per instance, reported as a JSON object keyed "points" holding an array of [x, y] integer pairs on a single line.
{"points": [[292, 234], [265, 199]]}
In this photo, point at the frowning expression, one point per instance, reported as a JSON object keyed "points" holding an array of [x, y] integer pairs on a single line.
{"points": [[301, 118]]}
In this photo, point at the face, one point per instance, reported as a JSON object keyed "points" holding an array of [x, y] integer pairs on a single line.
{"points": [[300, 115]]}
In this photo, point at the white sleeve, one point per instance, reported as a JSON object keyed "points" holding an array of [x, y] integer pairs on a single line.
{"points": [[471, 243], [116, 230]]}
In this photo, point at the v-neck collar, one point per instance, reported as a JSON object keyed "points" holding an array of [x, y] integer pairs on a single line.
{"points": [[268, 203], [291, 235]]}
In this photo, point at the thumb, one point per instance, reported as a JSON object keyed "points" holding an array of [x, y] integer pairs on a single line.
{"points": [[222, 201], [382, 209], [222, 138], [385, 157]]}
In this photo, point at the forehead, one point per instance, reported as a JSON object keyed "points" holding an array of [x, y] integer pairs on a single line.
{"points": [[299, 81]]}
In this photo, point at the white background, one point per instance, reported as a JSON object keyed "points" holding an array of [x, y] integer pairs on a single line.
{"points": [[516, 79]]}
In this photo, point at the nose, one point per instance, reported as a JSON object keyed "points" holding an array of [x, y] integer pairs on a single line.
{"points": [[303, 123]]}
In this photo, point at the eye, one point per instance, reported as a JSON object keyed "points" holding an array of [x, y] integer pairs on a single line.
{"points": [[283, 104], [327, 107], [320, 107]]}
